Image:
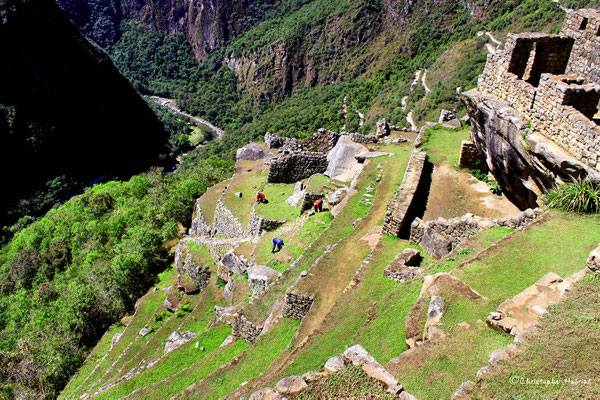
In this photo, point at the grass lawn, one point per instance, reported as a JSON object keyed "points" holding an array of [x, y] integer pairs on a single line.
{"points": [[250, 177], [277, 208], [295, 242], [443, 144], [208, 201], [561, 244], [564, 347], [251, 362], [201, 256], [316, 183]]}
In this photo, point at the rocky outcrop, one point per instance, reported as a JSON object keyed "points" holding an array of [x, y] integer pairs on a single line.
{"points": [[233, 263], [177, 339], [341, 160], [258, 278], [251, 153], [441, 236], [205, 23], [593, 261]]}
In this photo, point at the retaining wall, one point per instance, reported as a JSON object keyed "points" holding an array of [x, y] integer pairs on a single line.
{"points": [[296, 305], [441, 236], [297, 166], [199, 225], [394, 222], [257, 224], [225, 223], [244, 329]]}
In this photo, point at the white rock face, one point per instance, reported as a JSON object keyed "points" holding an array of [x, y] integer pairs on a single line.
{"points": [[337, 196], [251, 154], [342, 163], [295, 199], [335, 364], [176, 340]]}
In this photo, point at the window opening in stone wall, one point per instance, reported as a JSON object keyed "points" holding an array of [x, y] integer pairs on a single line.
{"points": [[586, 102], [584, 23]]}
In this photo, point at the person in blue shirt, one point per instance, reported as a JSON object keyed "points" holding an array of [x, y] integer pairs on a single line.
{"points": [[277, 243]]}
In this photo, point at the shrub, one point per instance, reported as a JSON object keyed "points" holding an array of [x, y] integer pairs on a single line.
{"points": [[580, 196]]}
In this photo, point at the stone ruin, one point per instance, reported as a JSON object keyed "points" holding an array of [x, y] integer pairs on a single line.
{"points": [[534, 112], [439, 237]]}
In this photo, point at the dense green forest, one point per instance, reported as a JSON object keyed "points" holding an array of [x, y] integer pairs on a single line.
{"points": [[90, 258]]}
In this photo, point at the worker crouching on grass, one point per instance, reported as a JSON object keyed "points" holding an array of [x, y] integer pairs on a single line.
{"points": [[318, 205], [277, 243], [260, 197]]}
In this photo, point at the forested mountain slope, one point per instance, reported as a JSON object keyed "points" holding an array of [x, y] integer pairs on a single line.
{"points": [[65, 111]]}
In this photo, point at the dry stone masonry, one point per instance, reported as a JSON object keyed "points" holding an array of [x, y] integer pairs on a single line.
{"points": [[552, 82], [244, 329], [441, 236], [404, 266], [225, 223], [470, 157], [257, 225], [296, 306], [297, 166], [395, 217], [199, 225]]}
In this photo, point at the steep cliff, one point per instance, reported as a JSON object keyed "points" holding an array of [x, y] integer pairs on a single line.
{"points": [[206, 23], [64, 108]]}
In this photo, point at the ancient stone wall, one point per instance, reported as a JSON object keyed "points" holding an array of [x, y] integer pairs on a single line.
{"points": [[441, 236], [530, 75], [296, 305], [274, 141], [296, 166], [199, 225], [363, 139], [583, 26], [197, 273], [563, 111], [470, 157], [225, 223], [244, 329], [257, 224], [394, 222], [308, 201]]}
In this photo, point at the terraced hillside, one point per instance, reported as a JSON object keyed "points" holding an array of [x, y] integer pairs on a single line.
{"points": [[231, 317]]}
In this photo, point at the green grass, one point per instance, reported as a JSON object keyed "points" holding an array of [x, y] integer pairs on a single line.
{"points": [[100, 350], [277, 208], [565, 346], [201, 256], [316, 183], [294, 243], [252, 362], [197, 371], [443, 144], [131, 334], [350, 383], [173, 362], [436, 372], [248, 183], [208, 201], [561, 244]]}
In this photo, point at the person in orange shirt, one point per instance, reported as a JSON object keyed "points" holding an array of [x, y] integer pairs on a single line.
{"points": [[318, 205], [260, 197]]}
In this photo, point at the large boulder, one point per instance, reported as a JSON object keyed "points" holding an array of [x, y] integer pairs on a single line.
{"points": [[250, 153], [295, 199], [342, 164], [436, 244], [593, 261], [291, 385], [177, 339], [337, 196], [258, 278], [233, 263]]}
